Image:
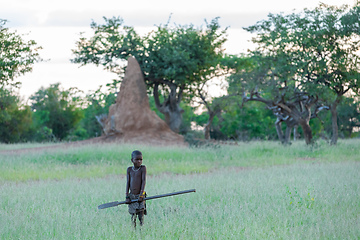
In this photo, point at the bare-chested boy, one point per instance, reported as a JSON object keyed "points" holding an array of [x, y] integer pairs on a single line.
{"points": [[136, 180]]}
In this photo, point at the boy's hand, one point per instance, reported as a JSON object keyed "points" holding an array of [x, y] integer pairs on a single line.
{"points": [[142, 196], [128, 200]]}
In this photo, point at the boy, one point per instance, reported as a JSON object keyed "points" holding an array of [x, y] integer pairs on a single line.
{"points": [[136, 180]]}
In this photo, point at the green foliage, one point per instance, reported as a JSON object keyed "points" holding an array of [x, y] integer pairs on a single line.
{"points": [[16, 56], [153, 106], [321, 45], [201, 119], [111, 42], [303, 59], [187, 118], [236, 63], [297, 201], [15, 118], [184, 54], [250, 122], [98, 105], [348, 120], [56, 112], [241, 123], [253, 121], [179, 54], [174, 59]]}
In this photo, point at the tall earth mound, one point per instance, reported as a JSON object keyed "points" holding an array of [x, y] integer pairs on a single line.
{"points": [[130, 118]]}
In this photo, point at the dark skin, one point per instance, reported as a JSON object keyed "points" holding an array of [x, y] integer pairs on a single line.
{"points": [[136, 178]]}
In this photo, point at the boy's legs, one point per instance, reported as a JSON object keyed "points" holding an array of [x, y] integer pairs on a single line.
{"points": [[133, 219], [141, 217]]}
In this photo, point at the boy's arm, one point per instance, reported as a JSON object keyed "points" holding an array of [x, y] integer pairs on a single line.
{"points": [[143, 183], [127, 184]]}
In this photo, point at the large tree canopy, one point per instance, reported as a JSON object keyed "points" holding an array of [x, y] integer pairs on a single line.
{"points": [[174, 59], [270, 79], [17, 56], [316, 49]]}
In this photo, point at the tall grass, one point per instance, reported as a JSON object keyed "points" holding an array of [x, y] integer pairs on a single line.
{"points": [[90, 161], [299, 201], [257, 190]]}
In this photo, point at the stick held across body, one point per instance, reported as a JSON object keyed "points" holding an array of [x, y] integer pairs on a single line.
{"points": [[135, 187]]}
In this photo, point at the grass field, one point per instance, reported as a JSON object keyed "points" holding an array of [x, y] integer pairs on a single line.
{"points": [[257, 190]]}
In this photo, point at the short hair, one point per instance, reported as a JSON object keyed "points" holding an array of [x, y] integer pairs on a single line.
{"points": [[135, 153]]}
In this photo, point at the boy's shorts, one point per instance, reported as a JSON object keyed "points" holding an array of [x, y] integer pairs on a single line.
{"points": [[136, 207]]}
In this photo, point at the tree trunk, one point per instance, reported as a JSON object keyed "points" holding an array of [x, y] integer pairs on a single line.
{"points": [[207, 131], [295, 133], [287, 135], [290, 123], [173, 118], [279, 131], [170, 108], [207, 127], [350, 130], [335, 130], [304, 124]]}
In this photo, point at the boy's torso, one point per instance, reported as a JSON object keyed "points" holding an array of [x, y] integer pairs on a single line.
{"points": [[135, 180]]}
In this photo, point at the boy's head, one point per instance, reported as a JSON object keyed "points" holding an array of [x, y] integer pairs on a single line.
{"points": [[135, 154], [136, 158]]}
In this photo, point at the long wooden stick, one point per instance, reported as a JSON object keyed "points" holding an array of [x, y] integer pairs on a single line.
{"points": [[113, 204]]}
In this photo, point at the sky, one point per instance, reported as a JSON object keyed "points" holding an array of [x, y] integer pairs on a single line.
{"points": [[56, 26]]}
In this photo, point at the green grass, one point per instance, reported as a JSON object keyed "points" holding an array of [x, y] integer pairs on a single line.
{"points": [[301, 201], [111, 159], [258, 190], [7, 147]]}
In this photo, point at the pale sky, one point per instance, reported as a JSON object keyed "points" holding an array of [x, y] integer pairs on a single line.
{"points": [[55, 25]]}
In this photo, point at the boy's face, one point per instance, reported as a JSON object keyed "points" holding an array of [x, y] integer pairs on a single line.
{"points": [[137, 160]]}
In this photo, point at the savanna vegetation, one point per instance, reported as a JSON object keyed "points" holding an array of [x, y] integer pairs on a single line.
{"points": [[300, 82], [249, 191]]}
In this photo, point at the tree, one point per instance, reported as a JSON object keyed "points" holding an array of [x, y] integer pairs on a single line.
{"points": [[98, 103], [174, 59], [17, 56], [56, 109], [321, 46], [270, 78], [243, 123], [15, 118], [213, 109], [348, 118], [215, 106], [251, 121]]}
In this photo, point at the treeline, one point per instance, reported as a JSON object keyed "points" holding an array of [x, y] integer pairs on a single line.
{"points": [[57, 114], [301, 81]]}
